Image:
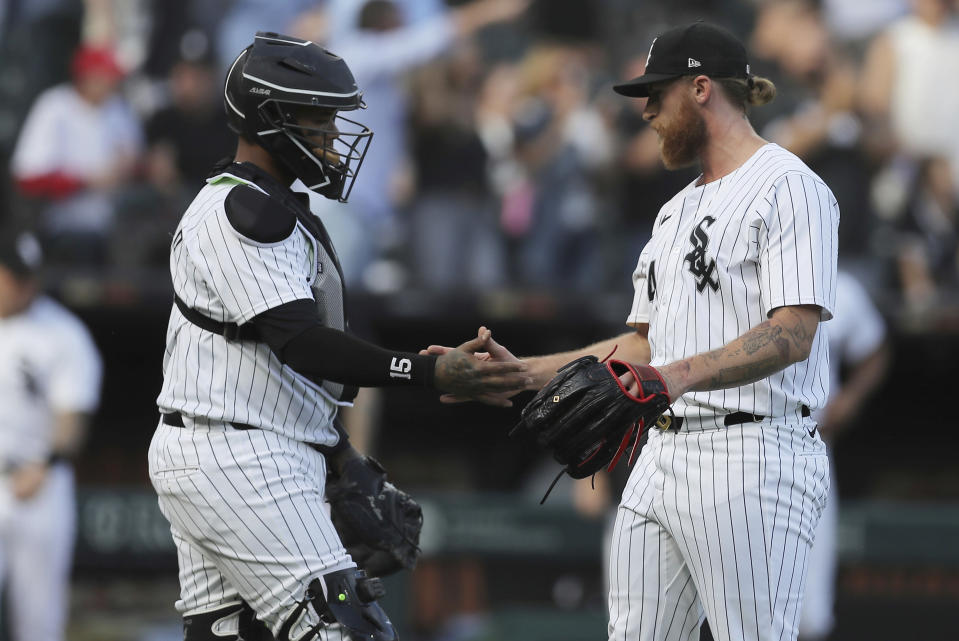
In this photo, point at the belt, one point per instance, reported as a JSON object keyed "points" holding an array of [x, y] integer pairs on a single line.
{"points": [[667, 423], [175, 419]]}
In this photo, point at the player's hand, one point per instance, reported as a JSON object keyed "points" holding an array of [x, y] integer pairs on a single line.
{"points": [[496, 352], [27, 480], [480, 370]]}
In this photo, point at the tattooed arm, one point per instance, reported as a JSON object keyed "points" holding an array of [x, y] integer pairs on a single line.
{"points": [[767, 348], [631, 346], [459, 372]]}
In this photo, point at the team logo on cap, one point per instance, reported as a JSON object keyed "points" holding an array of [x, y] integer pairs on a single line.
{"points": [[694, 63]]}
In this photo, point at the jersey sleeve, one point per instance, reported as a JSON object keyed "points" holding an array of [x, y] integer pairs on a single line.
{"points": [[643, 291], [76, 376], [798, 247], [248, 277]]}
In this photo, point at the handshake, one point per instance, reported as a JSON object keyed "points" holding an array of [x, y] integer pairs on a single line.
{"points": [[587, 413]]}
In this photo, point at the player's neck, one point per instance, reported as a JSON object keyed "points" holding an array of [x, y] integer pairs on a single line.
{"points": [[730, 143], [246, 152]]}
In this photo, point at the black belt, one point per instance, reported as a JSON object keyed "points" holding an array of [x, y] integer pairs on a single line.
{"points": [[736, 418], [175, 419]]}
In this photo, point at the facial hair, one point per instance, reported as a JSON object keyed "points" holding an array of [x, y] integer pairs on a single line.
{"points": [[682, 138]]}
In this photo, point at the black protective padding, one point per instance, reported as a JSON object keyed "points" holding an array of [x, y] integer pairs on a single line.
{"points": [[199, 627], [257, 216]]}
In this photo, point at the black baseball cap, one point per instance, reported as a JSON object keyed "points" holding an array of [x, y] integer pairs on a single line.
{"points": [[694, 49], [20, 253]]}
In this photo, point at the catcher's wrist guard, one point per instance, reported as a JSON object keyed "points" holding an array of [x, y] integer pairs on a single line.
{"points": [[587, 417]]}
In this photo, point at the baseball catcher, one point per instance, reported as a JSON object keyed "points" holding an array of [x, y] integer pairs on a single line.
{"points": [[587, 417], [378, 523]]}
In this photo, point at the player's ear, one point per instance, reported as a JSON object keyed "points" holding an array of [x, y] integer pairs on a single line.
{"points": [[702, 89]]}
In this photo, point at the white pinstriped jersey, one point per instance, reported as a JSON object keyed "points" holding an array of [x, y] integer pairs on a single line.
{"points": [[48, 364], [231, 278], [724, 255]]}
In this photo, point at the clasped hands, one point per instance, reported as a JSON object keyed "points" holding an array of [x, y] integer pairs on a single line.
{"points": [[493, 386]]}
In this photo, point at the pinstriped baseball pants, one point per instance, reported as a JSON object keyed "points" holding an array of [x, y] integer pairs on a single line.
{"points": [[247, 513], [717, 523]]}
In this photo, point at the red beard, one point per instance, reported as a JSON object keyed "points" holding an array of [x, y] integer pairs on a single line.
{"points": [[683, 137]]}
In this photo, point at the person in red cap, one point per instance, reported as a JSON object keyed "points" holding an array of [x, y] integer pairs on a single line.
{"points": [[79, 143]]}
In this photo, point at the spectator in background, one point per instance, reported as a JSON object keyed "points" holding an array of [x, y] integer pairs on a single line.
{"points": [[549, 212], [454, 237], [854, 20], [902, 90], [927, 257], [381, 53], [822, 126], [49, 385], [185, 138], [190, 134], [560, 75], [344, 14], [244, 18], [80, 143]]}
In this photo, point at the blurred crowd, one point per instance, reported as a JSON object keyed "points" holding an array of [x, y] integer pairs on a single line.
{"points": [[500, 156]]}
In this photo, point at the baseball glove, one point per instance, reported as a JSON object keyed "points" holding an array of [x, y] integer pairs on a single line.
{"points": [[378, 523], [587, 417]]}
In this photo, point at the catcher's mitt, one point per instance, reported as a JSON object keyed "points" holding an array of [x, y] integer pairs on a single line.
{"points": [[378, 523], [587, 418]]}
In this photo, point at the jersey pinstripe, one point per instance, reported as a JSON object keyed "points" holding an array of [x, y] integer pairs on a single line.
{"points": [[248, 516], [246, 507], [48, 364], [717, 520], [231, 278], [722, 256]]}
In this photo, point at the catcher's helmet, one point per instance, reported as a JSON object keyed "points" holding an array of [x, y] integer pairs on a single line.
{"points": [[271, 83]]}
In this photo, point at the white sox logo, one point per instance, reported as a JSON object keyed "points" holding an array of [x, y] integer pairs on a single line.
{"points": [[400, 368], [696, 258]]}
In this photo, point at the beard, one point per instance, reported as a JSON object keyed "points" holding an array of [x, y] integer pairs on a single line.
{"points": [[682, 138]]}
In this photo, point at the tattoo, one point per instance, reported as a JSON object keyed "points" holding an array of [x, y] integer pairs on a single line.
{"points": [[460, 373], [737, 375], [764, 334], [801, 337], [455, 372], [754, 348]]}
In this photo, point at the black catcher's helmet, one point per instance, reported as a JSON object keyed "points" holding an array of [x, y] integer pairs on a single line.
{"points": [[271, 83]]}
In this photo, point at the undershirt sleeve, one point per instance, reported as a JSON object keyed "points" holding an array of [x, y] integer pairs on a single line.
{"points": [[297, 337]]}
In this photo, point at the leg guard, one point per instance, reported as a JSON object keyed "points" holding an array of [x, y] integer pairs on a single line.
{"points": [[347, 597], [234, 622]]}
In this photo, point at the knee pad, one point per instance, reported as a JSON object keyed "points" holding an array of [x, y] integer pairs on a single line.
{"points": [[234, 622], [347, 597]]}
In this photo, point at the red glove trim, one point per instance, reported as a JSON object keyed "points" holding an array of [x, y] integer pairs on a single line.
{"points": [[632, 370]]}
